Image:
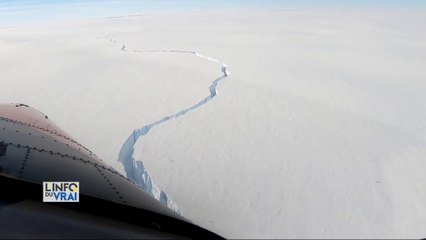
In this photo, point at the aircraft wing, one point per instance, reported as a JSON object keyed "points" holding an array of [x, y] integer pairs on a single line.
{"points": [[34, 150]]}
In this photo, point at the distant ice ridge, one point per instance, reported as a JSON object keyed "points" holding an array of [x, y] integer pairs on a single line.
{"points": [[135, 170]]}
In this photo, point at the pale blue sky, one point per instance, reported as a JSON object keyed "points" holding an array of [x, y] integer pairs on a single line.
{"points": [[23, 11]]}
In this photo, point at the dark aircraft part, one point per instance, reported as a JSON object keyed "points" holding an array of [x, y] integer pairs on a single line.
{"points": [[33, 150], [24, 215], [3, 148]]}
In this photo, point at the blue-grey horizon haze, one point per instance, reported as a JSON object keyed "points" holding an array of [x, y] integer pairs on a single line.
{"points": [[16, 12]]}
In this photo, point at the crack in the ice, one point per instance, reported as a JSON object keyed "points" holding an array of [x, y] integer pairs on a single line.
{"points": [[135, 170]]}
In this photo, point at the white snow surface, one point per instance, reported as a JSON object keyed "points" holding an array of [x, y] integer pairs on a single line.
{"points": [[134, 168], [319, 132]]}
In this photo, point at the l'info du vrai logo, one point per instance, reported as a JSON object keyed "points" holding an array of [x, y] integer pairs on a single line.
{"points": [[61, 192]]}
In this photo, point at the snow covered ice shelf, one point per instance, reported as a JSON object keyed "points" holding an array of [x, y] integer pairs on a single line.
{"points": [[319, 131]]}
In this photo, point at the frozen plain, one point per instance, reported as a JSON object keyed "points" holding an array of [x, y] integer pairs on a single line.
{"points": [[319, 131]]}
